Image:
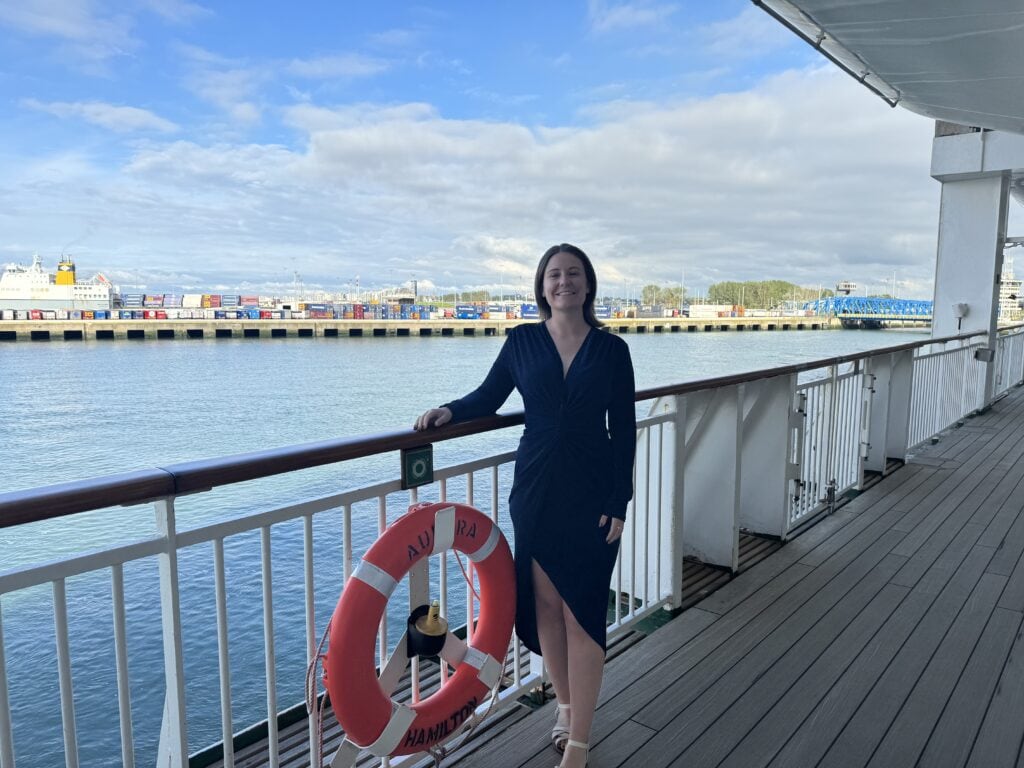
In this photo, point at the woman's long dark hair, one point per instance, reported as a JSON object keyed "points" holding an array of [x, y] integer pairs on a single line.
{"points": [[588, 270]]}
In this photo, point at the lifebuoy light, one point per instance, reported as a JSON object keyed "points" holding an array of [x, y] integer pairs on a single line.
{"points": [[362, 703]]}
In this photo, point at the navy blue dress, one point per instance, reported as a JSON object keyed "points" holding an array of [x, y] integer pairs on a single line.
{"points": [[574, 464]]}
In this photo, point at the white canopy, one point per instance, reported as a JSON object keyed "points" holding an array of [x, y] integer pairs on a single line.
{"points": [[960, 61]]}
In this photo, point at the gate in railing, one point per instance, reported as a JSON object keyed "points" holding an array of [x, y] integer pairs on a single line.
{"points": [[763, 452]]}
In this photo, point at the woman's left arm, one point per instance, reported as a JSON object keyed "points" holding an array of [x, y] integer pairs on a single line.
{"points": [[622, 430]]}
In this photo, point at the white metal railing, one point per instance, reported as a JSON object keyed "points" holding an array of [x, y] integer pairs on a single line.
{"points": [[948, 384], [828, 439], [1009, 360], [764, 453]]}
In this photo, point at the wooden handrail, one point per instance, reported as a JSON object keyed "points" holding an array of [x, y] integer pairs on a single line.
{"points": [[124, 489]]}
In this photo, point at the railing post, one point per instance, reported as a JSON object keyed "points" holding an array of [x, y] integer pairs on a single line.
{"points": [[672, 535], [711, 463], [764, 500], [901, 381], [173, 749]]}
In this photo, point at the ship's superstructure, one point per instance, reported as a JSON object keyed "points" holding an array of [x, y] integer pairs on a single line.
{"points": [[33, 287]]}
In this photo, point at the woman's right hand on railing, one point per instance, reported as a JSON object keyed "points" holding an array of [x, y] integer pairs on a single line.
{"points": [[435, 417]]}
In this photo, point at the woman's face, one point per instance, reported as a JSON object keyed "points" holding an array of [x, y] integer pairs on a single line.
{"points": [[565, 282]]}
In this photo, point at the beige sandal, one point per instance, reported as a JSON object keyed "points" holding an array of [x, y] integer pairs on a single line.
{"points": [[578, 745], [560, 733]]}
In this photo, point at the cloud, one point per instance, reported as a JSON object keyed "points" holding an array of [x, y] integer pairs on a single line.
{"points": [[347, 65], [751, 33], [90, 35], [394, 38], [109, 116], [805, 177], [605, 17], [231, 90], [177, 11]]}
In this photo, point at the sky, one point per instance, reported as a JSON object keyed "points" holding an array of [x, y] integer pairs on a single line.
{"points": [[230, 146]]}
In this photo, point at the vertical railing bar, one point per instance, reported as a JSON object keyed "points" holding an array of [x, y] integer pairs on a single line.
{"points": [[268, 646], [6, 731], [124, 701], [494, 494], [647, 528], [346, 532], [634, 593], [67, 700], [311, 633], [443, 579], [382, 524], [173, 746], [223, 657], [470, 602]]}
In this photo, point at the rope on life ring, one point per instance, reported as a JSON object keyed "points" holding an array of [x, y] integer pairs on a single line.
{"points": [[361, 701]]}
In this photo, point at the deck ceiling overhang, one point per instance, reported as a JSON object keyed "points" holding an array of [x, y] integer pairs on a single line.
{"points": [[961, 61]]}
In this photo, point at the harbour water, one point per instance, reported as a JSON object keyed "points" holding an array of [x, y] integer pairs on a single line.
{"points": [[79, 409]]}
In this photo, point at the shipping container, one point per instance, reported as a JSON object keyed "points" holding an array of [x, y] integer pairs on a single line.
{"points": [[153, 300], [229, 301], [102, 314], [192, 300], [131, 299], [529, 312], [172, 300], [249, 301], [602, 311], [62, 314], [710, 310], [7, 314], [357, 311], [22, 314], [49, 314]]}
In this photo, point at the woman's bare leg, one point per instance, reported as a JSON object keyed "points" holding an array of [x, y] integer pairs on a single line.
{"points": [[573, 660], [586, 668], [551, 632]]}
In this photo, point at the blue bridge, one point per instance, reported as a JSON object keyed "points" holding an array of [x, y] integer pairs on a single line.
{"points": [[872, 312]]}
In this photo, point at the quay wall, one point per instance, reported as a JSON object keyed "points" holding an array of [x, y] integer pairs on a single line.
{"points": [[82, 330]]}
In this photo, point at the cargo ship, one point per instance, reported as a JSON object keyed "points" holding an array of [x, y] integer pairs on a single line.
{"points": [[33, 287]]}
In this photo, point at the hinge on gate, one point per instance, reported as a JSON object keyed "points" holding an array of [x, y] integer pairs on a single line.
{"points": [[870, 385], [865, 448]]}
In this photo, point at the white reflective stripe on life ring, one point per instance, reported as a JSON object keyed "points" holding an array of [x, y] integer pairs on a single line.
{"points": [[375, 577], [402, 717], [444, 530], [488, 546], [489, 669], [455, 651]]}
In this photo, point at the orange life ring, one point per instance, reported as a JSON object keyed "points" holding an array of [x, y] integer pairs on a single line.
{"points": [[363, 708]]}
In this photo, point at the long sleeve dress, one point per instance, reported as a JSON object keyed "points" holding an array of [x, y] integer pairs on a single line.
{"points": [[574, 464]]}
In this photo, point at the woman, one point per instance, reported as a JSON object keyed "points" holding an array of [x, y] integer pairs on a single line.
{"points": [[573, 480]]}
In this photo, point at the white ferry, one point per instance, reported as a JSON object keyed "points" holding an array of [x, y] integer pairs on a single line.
{"points": [[33, 287]]}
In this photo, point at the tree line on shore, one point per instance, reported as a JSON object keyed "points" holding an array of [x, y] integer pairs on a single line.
{"points": [[761, 294]]}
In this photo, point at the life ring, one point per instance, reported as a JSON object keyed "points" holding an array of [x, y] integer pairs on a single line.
{"points": [[364, 709]]}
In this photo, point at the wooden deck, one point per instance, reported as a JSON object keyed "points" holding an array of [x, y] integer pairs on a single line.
{"points": [[888, 635]]}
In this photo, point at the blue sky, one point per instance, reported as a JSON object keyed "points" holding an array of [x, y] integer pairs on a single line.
{"points": [[180, 145]]}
